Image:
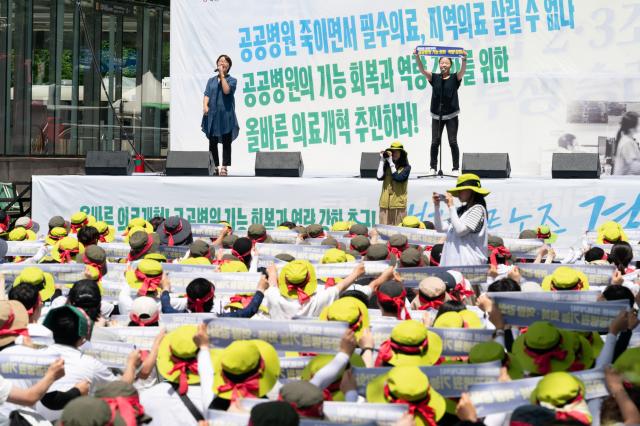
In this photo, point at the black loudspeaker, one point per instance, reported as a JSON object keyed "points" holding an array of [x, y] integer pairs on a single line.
{"points": [[189, 163], [575, 166], [287, 164], [112, 163], [490, 165], [369, 164]]}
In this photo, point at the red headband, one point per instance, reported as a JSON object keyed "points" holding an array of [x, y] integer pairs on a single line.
{"points": [[398, 301], [5, 329], [239, 256], [144, 322], [260, 239], [543, 360], [396, 251], [498, 251], [362, 252], [420, 408], [149, 284], [66, 255], [459, 292], [542, 236], [183, 366], [197, 305], [131, 257], [99, 267], [315, 411], [298, 288], [248, 388], [430, 303], [388, 347], [128, 408], [76, 226]]}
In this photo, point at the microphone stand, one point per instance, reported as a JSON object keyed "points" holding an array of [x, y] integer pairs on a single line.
{"points": [[439, 173]]}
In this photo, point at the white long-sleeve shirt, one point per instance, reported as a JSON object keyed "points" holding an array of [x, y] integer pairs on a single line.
{"points": [[466, 241]]}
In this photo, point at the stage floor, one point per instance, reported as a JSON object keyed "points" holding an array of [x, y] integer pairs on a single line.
{"points": [[570, 207]]}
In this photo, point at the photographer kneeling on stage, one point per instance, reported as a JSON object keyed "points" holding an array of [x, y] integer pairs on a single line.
{"points": [[394, 171]]}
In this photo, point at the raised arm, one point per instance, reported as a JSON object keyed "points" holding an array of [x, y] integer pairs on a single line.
{"points": [[357, 272], [463, 68], [424, 72]]}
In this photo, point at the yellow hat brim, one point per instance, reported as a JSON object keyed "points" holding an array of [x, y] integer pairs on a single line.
{"points": [[309, 289], [375, 393], [164, 363], [546, 282], [434, 350], [526, 362], [269, 375], [481, 191], [55, 255], [49, 286]]}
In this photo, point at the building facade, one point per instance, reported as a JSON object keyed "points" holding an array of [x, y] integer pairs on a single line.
{"points": [[82, 75]]}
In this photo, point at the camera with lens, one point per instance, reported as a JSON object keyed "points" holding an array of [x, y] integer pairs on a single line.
{"points": [[386, 154]]}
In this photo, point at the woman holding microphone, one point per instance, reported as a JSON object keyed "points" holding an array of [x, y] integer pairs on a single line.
{"points": [[466, 228], [393, 171]]}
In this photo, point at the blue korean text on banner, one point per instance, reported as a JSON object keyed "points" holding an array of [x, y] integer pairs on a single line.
{"points": [[503, 397], [450, 52], [298, 336], [110, 353], [552, 296], [573, 316], [25, 366], [450, 380]]}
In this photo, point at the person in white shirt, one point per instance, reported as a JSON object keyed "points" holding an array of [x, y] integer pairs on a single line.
{"points": [[466, 240], [71, 328], [626, 150], [295, 292]]}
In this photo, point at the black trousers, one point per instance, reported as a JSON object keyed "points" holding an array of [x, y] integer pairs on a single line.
{"points": [[226, 149], [452, 134]]}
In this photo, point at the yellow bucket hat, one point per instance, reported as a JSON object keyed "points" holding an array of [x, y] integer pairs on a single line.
{"points": [[178, 358], [584, 353], [335, 255], [462, 319], [544, 348], [196, 261], [256, 359], [627, 364], [138, 222], [22, 234], [610, 233], [297, 280], [410, 343], [146, 277], [565, 278], [349, 310], [543, 232], [55, 235], [35, 276], [331, 392], [107, 232], [341, 226], [66, 250], [233, 266], [412, 222], [241, 301], [79, 220], [408, 385], [557, 389], [468, 181]]}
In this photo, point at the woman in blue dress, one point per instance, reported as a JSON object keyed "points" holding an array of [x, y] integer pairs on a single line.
{"points": [[219, 107]]}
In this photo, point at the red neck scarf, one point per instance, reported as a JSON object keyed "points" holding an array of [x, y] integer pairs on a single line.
{"points": [[573, 414], [398, 301], [183, 366], [98, 266], [249, 388], [299, 289], [395, 250], [330, 282], [66, 256], [197, 305], [577, 286], [135, 256], [77, 226], [501, 251], [149, 284], [170, 234], [543, 360], [416, 408], [144, 322], [541, 236], [5, 329], [428, 303], [128, 407], [388, 347], [4, 226]]}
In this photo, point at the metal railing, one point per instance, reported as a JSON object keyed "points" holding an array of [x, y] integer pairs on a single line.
{"points": [[19, 203]]}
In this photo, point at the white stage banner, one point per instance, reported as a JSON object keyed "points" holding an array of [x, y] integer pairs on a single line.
{"points": [[334, 78], [569, 207]]}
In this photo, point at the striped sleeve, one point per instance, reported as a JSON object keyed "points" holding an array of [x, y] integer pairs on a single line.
{"points": [[474, 218]]}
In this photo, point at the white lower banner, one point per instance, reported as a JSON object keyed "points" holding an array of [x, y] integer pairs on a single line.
{"points": [[569, 207]]}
